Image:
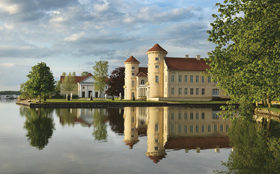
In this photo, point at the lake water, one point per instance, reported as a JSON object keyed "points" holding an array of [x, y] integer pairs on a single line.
{"points": [[113, 140]]}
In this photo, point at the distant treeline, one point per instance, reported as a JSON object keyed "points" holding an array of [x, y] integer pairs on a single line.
{"points": [[9, 92]]}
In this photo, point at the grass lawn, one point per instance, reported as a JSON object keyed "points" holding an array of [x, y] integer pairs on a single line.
{"points": [[83, 100]]}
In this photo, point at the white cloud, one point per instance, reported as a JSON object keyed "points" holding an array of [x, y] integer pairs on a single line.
{"points": [[101, 7], [9, 8], [57, 19], [7, 65], [74, 37]]}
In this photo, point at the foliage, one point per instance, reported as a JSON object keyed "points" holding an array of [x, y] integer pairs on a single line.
{"points": [[100, 71], [246, 60], [40, 82], [67, 116], [100, 128], [85, 73], [69, 83], [256, 150], [39, 125], [116, 82]]}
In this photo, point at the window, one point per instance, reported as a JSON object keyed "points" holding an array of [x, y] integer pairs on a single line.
{"points": [[221, 128], [191, 91], [133, 67], [196, 79], [156, 58], [196, 128], [197, 91], [156, 148], [83, 87], [209, 79], [185, 115], [156, 127], [186, 78], [179, 116], [132, 83], [180, 91], [202, 115], [157, 66], [209, 128], [202, 128], [157, 79], [191, 78], [132, 74], [202, 79], [186, 91], [191, 128], [191, 116], [186, 128], [215, 128], [142, 82], [202, 91], [197, 115], [172, 91], [156, 140], [172, 116], [179, 128], [215, 115], [180, 78], [172, 78], [227, 128], [215, 92]]}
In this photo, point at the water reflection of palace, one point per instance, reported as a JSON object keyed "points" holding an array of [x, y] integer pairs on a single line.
{"points": [[175, 128]]}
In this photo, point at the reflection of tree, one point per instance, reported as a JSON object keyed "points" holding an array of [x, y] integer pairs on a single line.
{"points": [[255, 150], [39, 125], [67, 116], [99, 126], [116, 121]]}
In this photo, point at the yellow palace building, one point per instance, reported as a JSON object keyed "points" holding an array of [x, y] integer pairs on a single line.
{"points": [[169, 78]]}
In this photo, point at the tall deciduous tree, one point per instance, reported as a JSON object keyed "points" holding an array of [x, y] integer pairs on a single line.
{"points": [[246, 60], [100, 71], [68, 84], [116, 82], [41, 82]]}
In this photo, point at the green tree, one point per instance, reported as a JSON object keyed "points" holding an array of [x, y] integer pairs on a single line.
{"points": [[85, 73], [256, 150], [41, 82], [100, 71], [68, 84], [99, 126], [39, 125], [246, 60]]}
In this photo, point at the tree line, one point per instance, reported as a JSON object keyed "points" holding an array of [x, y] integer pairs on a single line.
{"points": [[41, 84]]}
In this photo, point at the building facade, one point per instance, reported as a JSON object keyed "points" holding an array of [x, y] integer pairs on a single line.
{"points": [[84, 87], [169, 78]]}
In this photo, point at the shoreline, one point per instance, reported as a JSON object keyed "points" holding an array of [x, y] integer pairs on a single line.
{"points": [[106, 104]]}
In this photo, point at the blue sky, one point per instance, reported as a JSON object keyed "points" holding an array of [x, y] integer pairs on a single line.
{"points": [[70, 35]]}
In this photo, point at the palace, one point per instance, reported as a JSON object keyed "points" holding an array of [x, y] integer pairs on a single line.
{"points": [[169, 78]]}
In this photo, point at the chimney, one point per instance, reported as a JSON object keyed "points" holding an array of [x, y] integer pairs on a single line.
{"points": [[197, 57], [186, 56]]}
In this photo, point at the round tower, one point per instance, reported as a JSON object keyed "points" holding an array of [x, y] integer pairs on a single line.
{"points": [[156, 57], [131, 70], [130, 130], [155, 140]]}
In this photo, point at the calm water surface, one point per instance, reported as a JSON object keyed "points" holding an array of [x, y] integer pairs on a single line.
{"points": [[114, 140]]}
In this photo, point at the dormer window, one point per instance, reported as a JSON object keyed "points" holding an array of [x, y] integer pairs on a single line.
{"points": [[157, 58]]}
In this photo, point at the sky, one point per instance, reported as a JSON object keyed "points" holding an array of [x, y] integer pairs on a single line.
{"points": [[71, 35]]}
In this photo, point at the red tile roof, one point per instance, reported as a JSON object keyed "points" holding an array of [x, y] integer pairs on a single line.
{"points": [[186, 64], [156, 159], [132, 59], [143, 71], [194, 142], [77, 78], [157, 47]]}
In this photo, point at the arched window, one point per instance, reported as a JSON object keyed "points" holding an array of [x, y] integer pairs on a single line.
{"points": [[142, 82]]}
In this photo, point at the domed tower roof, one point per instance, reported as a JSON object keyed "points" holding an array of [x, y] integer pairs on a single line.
{"points": [[131, 143], [132, 59], [157, 47], [156, 159]]}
